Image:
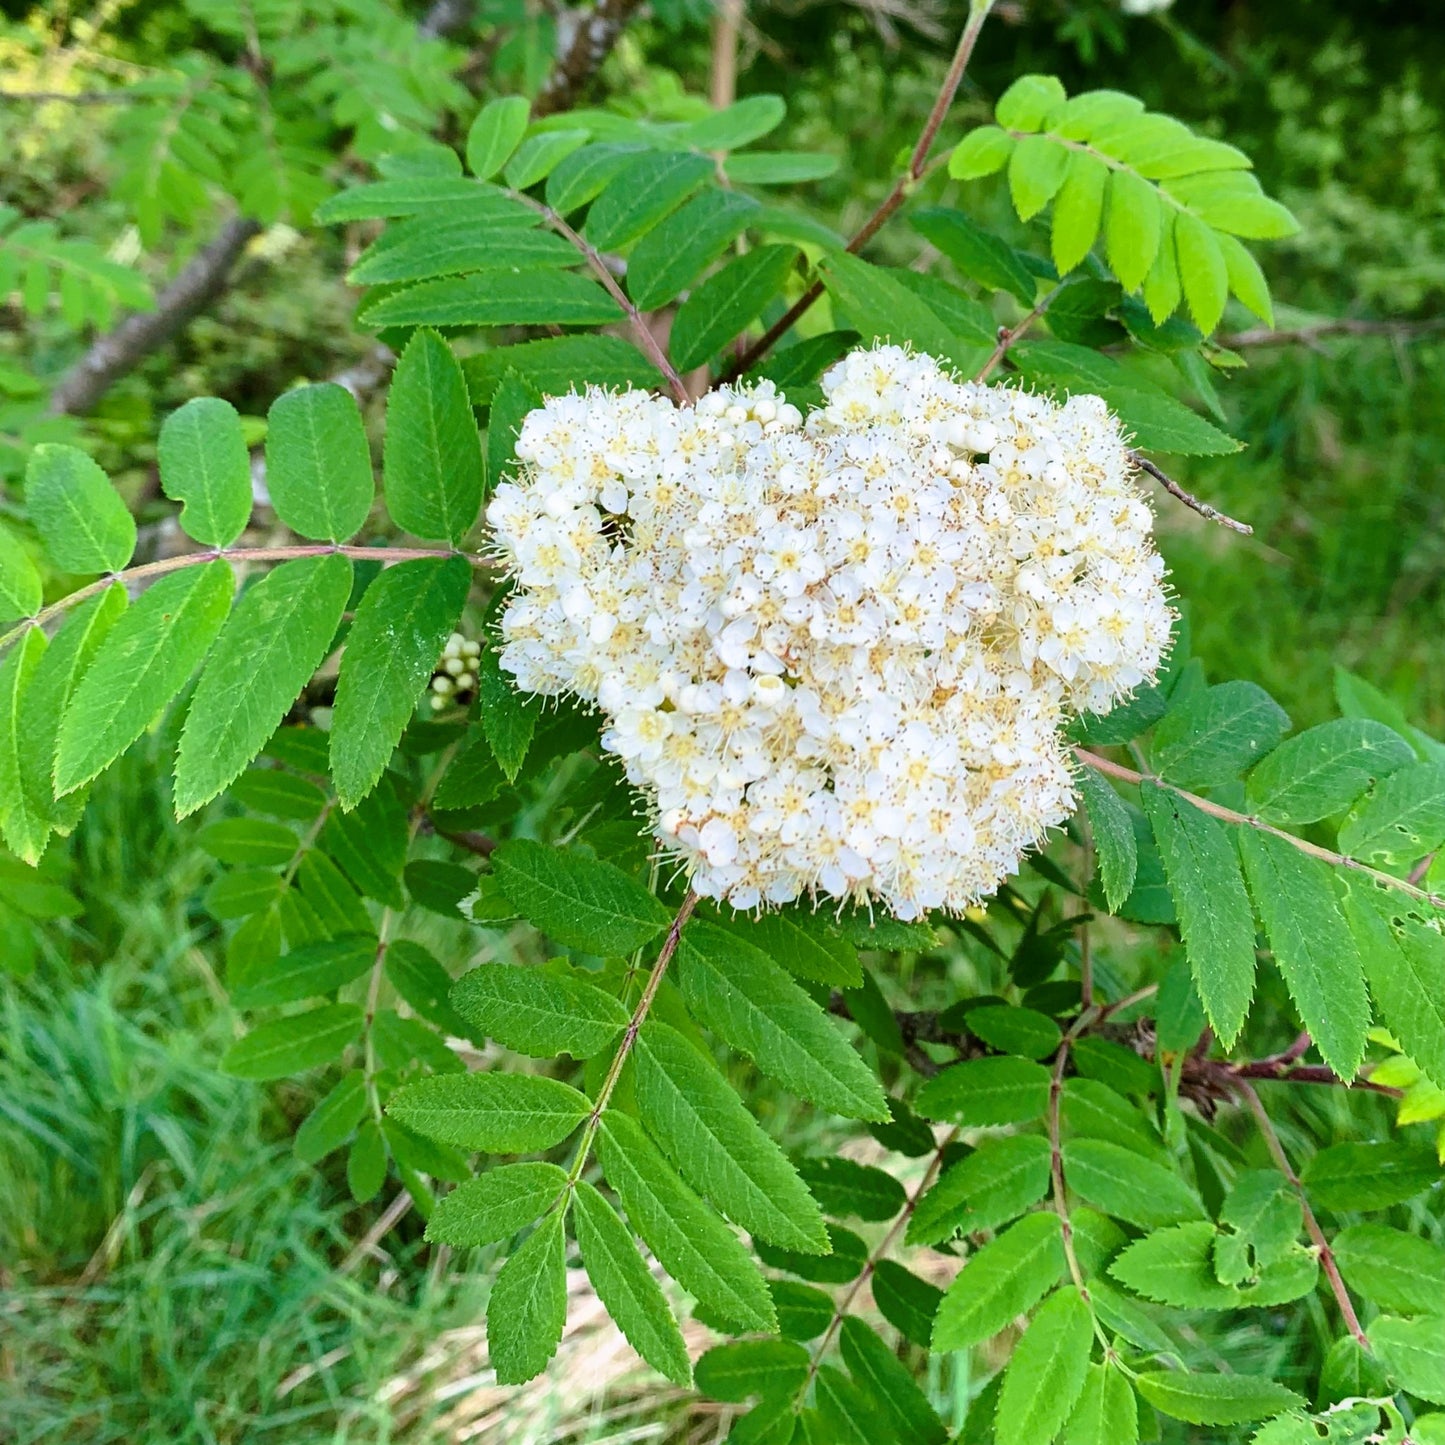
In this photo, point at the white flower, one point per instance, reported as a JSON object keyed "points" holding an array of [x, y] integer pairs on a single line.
{"points": [[837, 655]]}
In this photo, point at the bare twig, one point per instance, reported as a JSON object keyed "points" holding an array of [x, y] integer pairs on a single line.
{"points": [[1009, 334], [1319, 330], [902, 188], [588, 43], [1312, 1225], [1210, 514], [723, 83]]}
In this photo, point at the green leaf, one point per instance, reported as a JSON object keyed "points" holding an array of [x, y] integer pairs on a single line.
{"points": [[407, 197], [583, 175], [803, 1311], [331, 1123], [143, 661], [718, 1145], [645, 190], [1312, 945], [539, 297], [1202, 270], [1113, 836], [994, 1184], [527, 1310], [424, 250], [738, 992], [1078, 210], [576, 899], [979, 254], [1264, 1212], [846, 1259], [1404, 961], [424, 984], [513, 400], [1175, 1266], [1399, 1272], [889, 1384], [1213, 735], [1232, 201], [278, 635], [1046, 1373], [294, 1043], [908, 1303], [778, 168], [738, 124], [83, 524], [736, 1371], [1246, 279], [1029, 102], [392, 649], [982, 152], [318, 463], [804, 944], [20, 590], [366, 1163], [1324, 769], [250, 841], [1002, 1280], [695, 1247], [244, 892], [1215, 1399], [495, 134], [1414, 1354], [626, 1287], [432, 459], [1036, 170], [554, 365], [540, 154], [500, 1113], [986, 1091], [204, 465], [1215, 917], [845, 1187], [1106, 1412], [1132, 227], [669, 257], [727, 302], [310, 972], [1402, 819], [472, 778], [1136, 1190], [23, 829], [1014, 1030], [494, 1206], [1352, 1176], [536, 1013]]}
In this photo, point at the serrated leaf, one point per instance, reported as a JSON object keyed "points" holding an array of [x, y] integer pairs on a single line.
{"points": [[331, 1123], [537, 1013], [318, 463], [1078, 210], [20, 590], [407, 197], [736, 1371], [979, 254], [983, 151], [986, 1091], [846, 1259], [804, 944], [1132, 227], [1013, 1030], [1232, 201], [1000, 1281], [779, 168], [366, 1163], [1400, 1272], [539, 297], [83, 524], [1246, 280], [294, 1043], [738, 992], [144, 660], [495, 134], [1106, 1412], [718, 1145], [1175, 1266], [883, 1377], [994, 1184], [843, 1187], [1265, 1215], [1324, 769], [1036, 170], [392, 649], [738, 124], [583, 175], [500, 1113], [555, 365], [625, 1286], [1367, 1176], [492, 1207], [1402, 819], [1215, 917], [277, 636], [424, 984], [1215, 1399], [540, 154], [527, 1310], [1113, 836], [423, 250], [669, 257], [1046, 1373], [1029, 102], [1312, 945], [205, 466], [432, 459], [1136, 1190], [1414, 1353], [578, 900], [645, 190], [279, 794], [310, 972], [727, 302], [1202, 270], [908, 1303], [1214, 735], [23, 829]]}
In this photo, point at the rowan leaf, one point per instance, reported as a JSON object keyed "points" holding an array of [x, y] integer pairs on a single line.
{"points": [[1136, 1190], [1001, 1281], [1324, 769], [294, 1043], [495, 134], [205, 466], [527, 1310], [1106, 1412], [727, 302], [1215, 1399], [494, 1206], [1400, 1272], [318, 463], [1046, 1373], [83, 524], [986, 1091], [1215, 734], [538, 1013], [497, 1112]]}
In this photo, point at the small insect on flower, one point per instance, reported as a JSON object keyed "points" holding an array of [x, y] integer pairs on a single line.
{"points": [[455, 678], [837, 653]]}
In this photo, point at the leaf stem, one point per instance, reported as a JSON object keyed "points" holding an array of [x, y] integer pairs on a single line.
{"points": [[902, 188], [1312, 1225], [1010, 334], [1228, 815]]}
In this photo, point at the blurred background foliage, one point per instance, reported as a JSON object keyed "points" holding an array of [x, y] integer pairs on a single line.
{"points": [[167, 1271]]}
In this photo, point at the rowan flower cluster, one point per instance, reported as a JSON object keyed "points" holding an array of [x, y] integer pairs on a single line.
{"points": [[838, 653]]}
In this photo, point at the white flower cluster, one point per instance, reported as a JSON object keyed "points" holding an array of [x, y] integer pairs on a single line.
{"points": [[838, 654], [456, 672]]}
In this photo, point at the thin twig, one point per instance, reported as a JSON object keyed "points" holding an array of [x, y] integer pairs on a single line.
{"points": [[1228, 815], [1009, 334], [77, 97], [1056, 1165], [1210, 514], [1312, 1225], [1337, 326], [902, 188]]}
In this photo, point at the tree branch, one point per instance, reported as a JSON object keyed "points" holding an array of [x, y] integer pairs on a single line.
{"points": [[1009, 334], [594, 34], [1210, 514], [121, 350], [1318, 330]]}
